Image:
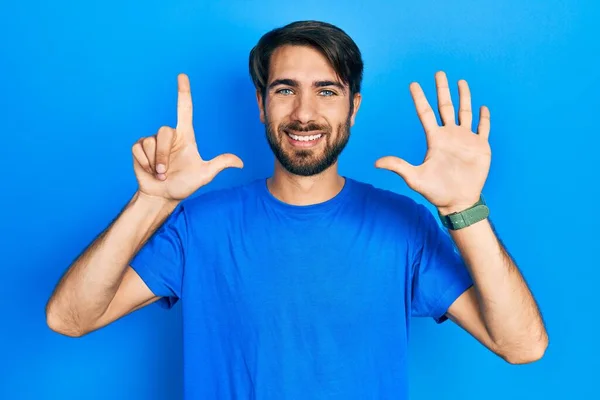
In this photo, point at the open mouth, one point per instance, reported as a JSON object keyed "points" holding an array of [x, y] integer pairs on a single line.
{"points": [[303, 140]]}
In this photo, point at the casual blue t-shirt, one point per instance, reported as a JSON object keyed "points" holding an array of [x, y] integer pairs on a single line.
{"points": [[300, 302]]}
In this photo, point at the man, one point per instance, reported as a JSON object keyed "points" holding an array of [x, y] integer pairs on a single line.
{"points": [[302, 285]]}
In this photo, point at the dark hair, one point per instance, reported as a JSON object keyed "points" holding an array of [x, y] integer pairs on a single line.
{"points": [[337, 47]]}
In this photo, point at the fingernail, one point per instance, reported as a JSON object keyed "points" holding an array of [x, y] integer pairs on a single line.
{"points": [[162, 177], [161, 169]]}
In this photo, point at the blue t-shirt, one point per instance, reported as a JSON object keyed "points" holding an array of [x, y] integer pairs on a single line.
{"points": [[300, 302]]}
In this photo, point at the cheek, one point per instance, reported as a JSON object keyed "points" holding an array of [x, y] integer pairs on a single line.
{"points": [[278, 110], [335, 112]]}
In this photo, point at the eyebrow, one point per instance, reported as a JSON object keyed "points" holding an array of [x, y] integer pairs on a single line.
{"points": [[316, 84]]}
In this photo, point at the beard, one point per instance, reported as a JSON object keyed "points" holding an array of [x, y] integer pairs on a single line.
{"points": [[310, 161]]}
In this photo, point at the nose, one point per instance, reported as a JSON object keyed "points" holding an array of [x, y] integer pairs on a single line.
{"points": [[304, 109]]}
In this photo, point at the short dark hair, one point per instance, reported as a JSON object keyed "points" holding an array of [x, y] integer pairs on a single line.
{"points": [[337, 47]]}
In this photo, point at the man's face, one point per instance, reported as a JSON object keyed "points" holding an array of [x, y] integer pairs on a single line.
{"points": [[307, 113]]}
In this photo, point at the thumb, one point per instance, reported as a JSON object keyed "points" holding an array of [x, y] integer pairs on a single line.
{"points": [[406, 170], [228, 160]]}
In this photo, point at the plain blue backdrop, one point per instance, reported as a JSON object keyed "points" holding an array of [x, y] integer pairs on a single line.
{"points": [[80, 82]]}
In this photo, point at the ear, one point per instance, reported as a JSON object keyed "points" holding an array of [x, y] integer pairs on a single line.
{"points": [[357, 99], [261, 109]]}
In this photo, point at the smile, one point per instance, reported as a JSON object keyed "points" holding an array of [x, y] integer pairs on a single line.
{"points": [[303, 140]]}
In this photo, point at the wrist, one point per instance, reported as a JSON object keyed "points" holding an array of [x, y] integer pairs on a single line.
{"points": [[456, 207], [153, 204], [459, 216]]}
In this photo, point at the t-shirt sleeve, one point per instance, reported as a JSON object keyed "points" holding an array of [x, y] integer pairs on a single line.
{"points": [[160, 262], [440, 275]]}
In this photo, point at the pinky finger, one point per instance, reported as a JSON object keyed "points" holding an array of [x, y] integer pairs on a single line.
{"points": [[140, 156], [483, 129]]}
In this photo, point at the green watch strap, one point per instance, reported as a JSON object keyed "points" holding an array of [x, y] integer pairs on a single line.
{"points": [[458, 220]]}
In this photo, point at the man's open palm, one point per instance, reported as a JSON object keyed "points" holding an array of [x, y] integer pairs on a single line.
{"points": [[457, 162], [168, 164]]}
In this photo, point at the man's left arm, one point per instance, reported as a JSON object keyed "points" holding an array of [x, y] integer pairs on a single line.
{"points": [[499, 310]]}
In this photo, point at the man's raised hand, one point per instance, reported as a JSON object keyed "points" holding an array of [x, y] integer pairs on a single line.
{"points": [[168, 164]]}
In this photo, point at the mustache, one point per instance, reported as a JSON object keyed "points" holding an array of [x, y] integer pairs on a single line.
{"points": [[298, 127]]}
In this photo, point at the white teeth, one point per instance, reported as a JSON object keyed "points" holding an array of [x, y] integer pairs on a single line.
{"points": [[304, 138]]}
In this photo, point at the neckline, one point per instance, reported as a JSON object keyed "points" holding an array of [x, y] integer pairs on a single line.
{"points": [[306, 209]]}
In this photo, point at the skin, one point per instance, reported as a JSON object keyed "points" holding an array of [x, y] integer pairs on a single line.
{"points": [[499, 310]]}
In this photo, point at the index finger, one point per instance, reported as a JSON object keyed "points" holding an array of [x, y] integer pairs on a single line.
{"points": [[184, 103], [424, 110]]}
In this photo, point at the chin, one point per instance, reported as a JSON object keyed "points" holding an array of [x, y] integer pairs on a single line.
{"points": [[305, 170], [306, 164]]}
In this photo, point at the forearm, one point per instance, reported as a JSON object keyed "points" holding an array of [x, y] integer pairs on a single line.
{"points": [[509, 311], [87, 288]]}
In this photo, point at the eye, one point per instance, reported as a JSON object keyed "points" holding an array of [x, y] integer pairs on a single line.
{"points": [[284, 91], [327, 93]]}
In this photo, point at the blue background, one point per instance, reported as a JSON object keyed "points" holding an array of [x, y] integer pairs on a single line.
{"points": [[80, 82]]}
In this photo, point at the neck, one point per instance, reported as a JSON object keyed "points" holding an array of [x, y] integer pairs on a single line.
{"points": [[305, 190]]}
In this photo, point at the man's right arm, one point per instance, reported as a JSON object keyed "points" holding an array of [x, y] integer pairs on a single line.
{"points": [[100, 287]]}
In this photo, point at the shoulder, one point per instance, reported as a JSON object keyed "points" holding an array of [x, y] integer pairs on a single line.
{"points": [[221, 200], [393, 208], [385, 200], [401, 213]]}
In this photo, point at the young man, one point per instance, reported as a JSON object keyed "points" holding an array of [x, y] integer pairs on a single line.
{"points": [[302, 285]]}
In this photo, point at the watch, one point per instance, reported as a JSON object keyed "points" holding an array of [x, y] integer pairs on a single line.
{"points": [[458, 220]]}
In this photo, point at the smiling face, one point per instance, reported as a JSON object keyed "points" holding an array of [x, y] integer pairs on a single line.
{"points": [[306, 111]]}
